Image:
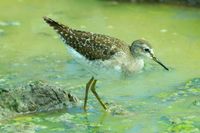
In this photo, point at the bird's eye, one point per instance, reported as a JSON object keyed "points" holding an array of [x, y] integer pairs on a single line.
{"points": [[146, 50]]}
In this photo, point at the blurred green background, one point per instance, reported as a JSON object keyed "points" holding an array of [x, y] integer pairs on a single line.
{"points": [[156, 100]]}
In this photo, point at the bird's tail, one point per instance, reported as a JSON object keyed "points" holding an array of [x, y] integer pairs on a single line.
{"points": [[60, 28]]}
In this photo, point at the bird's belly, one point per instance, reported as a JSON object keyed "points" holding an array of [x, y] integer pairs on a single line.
{"points": [[74, 53], [94, 66]]}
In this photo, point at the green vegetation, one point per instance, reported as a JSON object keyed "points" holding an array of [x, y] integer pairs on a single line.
{"points": [[151, 101]]}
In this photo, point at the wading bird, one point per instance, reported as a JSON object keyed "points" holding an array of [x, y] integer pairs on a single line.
{"points": [[109, 51]]}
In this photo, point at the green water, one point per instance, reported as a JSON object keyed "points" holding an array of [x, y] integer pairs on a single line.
{"points": [[30, 50]]}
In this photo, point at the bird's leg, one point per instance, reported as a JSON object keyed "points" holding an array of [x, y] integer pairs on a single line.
{"points": [[93, 89], [88, 86]]}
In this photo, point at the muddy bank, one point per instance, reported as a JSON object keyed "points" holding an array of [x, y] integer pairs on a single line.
{"points": [[182, 2], [36, 96]]}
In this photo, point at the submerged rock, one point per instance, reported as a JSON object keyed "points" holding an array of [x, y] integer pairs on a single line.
{"points": [[37, 96], [116, 109]]}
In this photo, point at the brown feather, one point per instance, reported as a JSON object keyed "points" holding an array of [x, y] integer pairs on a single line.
{"points": [[92, 46]]}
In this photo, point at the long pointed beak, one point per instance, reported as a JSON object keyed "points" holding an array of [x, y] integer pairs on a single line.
{"points": [[156, 60]]}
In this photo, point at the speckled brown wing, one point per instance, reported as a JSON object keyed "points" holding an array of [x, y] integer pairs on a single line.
{"points": [[92, 46]]}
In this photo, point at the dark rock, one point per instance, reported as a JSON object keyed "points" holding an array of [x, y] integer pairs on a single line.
{"points": [[37, 96]]}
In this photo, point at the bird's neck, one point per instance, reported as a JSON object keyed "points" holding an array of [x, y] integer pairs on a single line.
{"points": [[139, 64], [134, 65], [139, 59]]}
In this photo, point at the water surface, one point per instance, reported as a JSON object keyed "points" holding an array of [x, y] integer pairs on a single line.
{"points": [[30, 50]]}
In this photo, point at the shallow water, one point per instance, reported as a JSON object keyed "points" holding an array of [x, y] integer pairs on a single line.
{"points": [[31, 50]]}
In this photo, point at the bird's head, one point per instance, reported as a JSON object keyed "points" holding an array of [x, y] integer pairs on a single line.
{"points": [[142, 49]]}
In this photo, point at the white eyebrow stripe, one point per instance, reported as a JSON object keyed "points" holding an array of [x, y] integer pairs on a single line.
{"points": [[146, 46], [151, 50]]}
